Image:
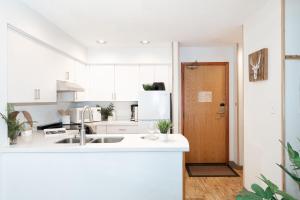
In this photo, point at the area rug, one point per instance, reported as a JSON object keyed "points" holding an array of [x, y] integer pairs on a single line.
{"points": [[210, 170]]}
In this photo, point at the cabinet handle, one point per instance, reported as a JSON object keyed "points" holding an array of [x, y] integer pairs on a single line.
{"points": [[112, 96], [115, 96], [67, 76], [122, 129], [39, 94], [36, 94]]}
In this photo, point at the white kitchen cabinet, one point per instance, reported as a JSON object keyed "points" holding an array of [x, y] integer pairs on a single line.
{"points": [[82, 72], [31, 76], [101, 129], [156, 73], [102, 84], [126, 82], [65, 68], [122, 129], [163, 73], [146, 75]]}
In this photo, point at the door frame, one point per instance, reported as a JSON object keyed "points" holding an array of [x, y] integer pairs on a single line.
{"points": [[212, 64]]}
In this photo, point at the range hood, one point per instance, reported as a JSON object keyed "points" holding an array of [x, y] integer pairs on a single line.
{"points": [[67, 86]]}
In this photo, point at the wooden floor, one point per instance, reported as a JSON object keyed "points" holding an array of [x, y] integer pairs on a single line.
{"points": [[213, 188]]}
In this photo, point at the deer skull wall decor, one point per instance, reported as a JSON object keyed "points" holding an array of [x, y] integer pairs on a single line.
{"points": [[258, 65], [255, 67]]}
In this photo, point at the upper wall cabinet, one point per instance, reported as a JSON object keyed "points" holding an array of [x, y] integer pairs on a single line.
{"points": [[34, 68], [163, 73], [155, 73], [31, 71], [102, 83], [82, 74], [146, 75], [126, 82]]}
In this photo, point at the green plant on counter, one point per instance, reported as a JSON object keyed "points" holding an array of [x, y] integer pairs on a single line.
{"points": [[272, 191], [14, 126], [107, 111], [148, 87], [164, 126]]}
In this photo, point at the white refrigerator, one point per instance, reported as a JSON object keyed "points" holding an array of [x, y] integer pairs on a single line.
{"points": [[152, 107]]}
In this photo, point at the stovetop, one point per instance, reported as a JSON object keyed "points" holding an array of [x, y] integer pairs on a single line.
{"points": [[72, 126]]}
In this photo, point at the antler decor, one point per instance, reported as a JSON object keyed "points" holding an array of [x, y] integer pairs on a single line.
{"points": [[255, 67], [258, 65]]}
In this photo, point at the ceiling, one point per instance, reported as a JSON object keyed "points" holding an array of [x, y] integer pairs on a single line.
{"points": [[130, 21]]}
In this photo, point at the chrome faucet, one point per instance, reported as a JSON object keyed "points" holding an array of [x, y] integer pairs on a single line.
{"points": [[82, 131]]}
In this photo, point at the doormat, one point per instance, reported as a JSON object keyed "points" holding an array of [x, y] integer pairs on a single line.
{"points": [[210, 170]]}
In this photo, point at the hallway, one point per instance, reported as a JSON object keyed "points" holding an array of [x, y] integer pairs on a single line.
{"points": [[213, 188]]}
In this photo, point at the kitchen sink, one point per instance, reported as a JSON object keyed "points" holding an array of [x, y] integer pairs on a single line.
{"points": [[108, 140], [72, 140]]}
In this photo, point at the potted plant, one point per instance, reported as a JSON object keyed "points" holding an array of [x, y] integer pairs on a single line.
{"points": [[164, 127], [14, 126], [107, 111], [272, 191], [148, 87]]}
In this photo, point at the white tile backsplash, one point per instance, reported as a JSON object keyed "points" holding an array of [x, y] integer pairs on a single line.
{"points": [[43, 113], [47, 113], [122, 108]]}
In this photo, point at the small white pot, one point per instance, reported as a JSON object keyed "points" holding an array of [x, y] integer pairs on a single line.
{"points": [[65, 119], [164, 137]]}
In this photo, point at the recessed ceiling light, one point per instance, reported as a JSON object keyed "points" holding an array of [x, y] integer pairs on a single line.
{"points": [[101, 41], [145, 42]]}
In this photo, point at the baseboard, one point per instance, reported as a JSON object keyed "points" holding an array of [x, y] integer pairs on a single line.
{"points": [[233, 165]]}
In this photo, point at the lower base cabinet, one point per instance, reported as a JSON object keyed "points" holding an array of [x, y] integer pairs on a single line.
{"points": [[116, 129]]}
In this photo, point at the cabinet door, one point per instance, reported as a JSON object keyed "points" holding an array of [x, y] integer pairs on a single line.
{"points": [[101, 83], [82, 74], [31, 77], [146, 75], [122, 129], [101, 129], [126, 82], [163, 73]]}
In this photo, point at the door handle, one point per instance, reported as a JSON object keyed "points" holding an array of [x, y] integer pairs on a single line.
{"points": [[222, 108]]}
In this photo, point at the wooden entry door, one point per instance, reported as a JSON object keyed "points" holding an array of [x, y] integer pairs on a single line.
{"points": [[205, 111]]}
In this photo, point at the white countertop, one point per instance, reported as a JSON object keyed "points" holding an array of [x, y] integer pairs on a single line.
{"points": [[38, 143]]}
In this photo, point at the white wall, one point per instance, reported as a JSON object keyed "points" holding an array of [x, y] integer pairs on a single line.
{"points": [[127, 54], [240, 90], [262, 100], [3, 80], [219, 54], [176, 97], [17, 14], [292, 84]]}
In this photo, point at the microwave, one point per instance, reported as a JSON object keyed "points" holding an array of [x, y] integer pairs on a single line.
{"points": [[77, 112]]}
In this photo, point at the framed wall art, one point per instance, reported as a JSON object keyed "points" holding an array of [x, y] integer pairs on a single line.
{"points": [[258, 65]]}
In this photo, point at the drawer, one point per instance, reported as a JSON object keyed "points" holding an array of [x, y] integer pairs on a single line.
{"points": [[101, 129], [122, 129]]}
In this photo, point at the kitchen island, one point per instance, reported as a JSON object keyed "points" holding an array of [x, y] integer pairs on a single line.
{"points": [[134, 169]]}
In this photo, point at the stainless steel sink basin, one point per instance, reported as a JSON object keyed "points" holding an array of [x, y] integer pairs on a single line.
{"points": [[108, 140], [72, 140]]}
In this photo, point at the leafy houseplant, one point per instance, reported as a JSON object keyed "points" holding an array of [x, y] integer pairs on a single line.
{"points": [[148, 87], [164, 126], [272, 191], [107, 111], [14, 126]]}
